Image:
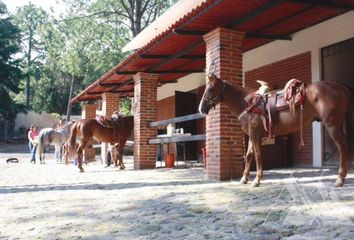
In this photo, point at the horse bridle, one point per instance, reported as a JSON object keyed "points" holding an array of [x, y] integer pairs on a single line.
{"points": [[218, 98]]}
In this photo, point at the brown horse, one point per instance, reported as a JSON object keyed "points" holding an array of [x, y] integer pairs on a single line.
{"points": [[88, 129], [329, 102]]}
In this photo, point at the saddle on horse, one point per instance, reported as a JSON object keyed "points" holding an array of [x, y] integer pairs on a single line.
{"points": [[267, 103]]}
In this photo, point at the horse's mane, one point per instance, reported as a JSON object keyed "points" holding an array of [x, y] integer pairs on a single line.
{"points": [[243, 90], [351, 89]]}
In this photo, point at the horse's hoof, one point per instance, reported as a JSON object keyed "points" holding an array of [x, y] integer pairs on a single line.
{"points": [[255, 183], [339, 183], [82, 170], [244, 180]]}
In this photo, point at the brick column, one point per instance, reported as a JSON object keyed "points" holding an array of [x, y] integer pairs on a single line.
{"points": [[110, 103], [224, 138], [89, 111], [145, 97]]}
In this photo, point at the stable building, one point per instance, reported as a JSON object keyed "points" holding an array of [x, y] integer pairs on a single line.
{"points": [[244, 41]]}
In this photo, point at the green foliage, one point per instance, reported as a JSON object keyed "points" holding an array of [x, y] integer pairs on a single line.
{"points": [[10, 73], [130, 15], [125, 106], [56, 115], [82, 49]]}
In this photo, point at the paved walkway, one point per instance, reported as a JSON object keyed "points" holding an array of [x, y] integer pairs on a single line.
{"points": [[55, 201]]}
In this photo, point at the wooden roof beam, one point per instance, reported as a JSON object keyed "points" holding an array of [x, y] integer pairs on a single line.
{"points": [[248, 35], [259, 11], [129, 82], [285, 19], [103, 84], [100, 92], [161, 56], [160, 71], [325, 3], [176, 55], [269, 36], [160, 83]]}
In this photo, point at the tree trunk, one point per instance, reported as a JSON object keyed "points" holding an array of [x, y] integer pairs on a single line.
{"points": [[29, 64], [28, 79], [68, 110]]}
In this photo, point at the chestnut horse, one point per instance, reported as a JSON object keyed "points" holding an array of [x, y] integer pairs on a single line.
{"points": [[88, 129], [329, 102]]}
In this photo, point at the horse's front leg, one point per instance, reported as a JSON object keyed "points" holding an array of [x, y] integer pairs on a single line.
{"points": [[256, 142], [121, 153], [114, 155], [248, 160]]}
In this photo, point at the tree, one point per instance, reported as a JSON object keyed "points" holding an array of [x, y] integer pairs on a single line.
{"points": [[84, 44], [10, 73], [125, 18], [78, 52], [135, 15], [30, 19], [140, 13]]}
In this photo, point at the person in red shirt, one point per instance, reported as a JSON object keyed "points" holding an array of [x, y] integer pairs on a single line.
{"points": [[32, 134]]}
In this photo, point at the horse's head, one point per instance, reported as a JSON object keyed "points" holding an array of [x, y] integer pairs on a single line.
{"points": [[213, 94], [66, 128]]}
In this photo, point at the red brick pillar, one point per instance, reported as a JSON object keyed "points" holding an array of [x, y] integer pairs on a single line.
{"points": [[145, 97], [110, 103], [89, 111], [224, 138]]}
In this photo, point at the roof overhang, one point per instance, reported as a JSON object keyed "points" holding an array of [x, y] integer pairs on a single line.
{"points": [[176, 48], [162, 23]]}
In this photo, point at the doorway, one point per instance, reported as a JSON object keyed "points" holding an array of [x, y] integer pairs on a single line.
{"points": [[186, 103], [337, 66]]}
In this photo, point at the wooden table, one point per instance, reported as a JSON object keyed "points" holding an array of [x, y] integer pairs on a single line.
{"points": [[166, 139]]}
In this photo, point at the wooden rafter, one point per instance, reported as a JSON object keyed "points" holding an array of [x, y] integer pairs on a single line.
{"points": [[160, 71], [248, 35], [162, 56], [325, 3]]}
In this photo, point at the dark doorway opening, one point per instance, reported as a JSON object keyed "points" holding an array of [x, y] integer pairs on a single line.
{"points": [[186, 103], [337, 66]]}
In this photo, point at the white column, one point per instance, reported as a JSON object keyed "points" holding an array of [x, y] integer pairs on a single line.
{"points": [[317, 138]]}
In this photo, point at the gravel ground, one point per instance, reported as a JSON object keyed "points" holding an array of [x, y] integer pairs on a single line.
{"points": [[55, 201]]}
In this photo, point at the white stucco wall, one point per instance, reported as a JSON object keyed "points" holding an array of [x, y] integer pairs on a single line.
{"points": [[42, 120], [184, 84]]}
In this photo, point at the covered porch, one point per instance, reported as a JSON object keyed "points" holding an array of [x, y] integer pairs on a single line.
{"points": [[238, 38]]}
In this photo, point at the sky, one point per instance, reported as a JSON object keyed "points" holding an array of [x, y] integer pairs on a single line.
{"points": [[57, 5]]}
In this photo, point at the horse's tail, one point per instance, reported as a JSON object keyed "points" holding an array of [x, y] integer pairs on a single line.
{"points": [[349, 124], [72, 139], [40, 145]]}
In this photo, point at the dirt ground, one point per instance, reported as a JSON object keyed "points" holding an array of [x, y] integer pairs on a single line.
{"points": [[55, 201]]}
